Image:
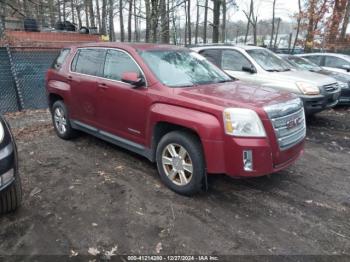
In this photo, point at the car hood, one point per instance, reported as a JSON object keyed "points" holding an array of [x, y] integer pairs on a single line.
{"points": [[336, 75], [235, 94], [303, 76]]}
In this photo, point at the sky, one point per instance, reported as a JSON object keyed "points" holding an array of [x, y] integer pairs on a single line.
{"points": [[284, 9]]}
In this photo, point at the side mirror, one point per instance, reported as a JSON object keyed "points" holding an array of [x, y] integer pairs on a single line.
{"points": [[133, 78], [346, 67], [249, 69]]}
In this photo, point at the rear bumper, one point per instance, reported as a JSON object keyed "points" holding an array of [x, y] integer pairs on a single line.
{"points": [[315, 104]]}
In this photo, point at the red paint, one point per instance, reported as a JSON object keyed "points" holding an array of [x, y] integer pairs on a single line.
{"points": [[119, 108]]}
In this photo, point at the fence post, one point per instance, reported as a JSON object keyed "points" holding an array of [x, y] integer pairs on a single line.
{"points": [[18, 92]]}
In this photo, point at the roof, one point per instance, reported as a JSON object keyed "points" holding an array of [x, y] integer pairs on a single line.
{"points": [[226, 46], [347, 57], [128, 46]]}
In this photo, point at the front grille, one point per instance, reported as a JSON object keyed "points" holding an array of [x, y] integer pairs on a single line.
{"points": [[330, 87], [290, 128]]}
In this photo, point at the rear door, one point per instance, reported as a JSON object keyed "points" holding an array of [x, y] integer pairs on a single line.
{"points": [[336, 64], [87, 65], [122, 108]]}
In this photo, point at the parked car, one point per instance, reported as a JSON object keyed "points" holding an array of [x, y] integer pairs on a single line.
{"points": [[175, 108], [261, 66], [300, 63], [330, 61], [10, 182]]}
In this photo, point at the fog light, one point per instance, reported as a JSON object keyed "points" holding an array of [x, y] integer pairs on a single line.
{"points": [[248, 160], [6, 177]]}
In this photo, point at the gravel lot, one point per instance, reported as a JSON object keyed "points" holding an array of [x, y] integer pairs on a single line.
{"points": [[86, 195]]}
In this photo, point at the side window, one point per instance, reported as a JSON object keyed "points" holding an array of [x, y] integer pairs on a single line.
{"points": [[89, 62], [332, 61], [213, 55], [60, 59], [315, 59], [117, 63], [233, 60]]}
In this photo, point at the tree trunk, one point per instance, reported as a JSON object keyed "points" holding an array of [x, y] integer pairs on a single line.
{"points": [[52, 12], [298, 27], [98, 15], [111, 21], [223, 25], [189, 30], [64, 10], [345, 21], [136, 30], [174, 24], [310, 28], [276, 36], [337, 17], [186, 23], [205, 22], [104, 17], [86, 13], [154, 20], [164, 22], [273, 22], [216, 21], [197, 24], [248, 23], [72, 11], [78, 8], [129, 21], [121, 21], [91, 13], [148, 21]]}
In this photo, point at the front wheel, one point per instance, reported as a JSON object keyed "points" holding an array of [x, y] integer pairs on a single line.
{"points": [[180, 162], [11, 197]]}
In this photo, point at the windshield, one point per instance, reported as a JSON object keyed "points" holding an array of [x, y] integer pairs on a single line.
{"points": [[303, 63], [268, 60], [178, 68]]}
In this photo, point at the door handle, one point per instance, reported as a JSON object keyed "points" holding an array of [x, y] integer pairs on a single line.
{"points": [[103, 85], [69, 78]]}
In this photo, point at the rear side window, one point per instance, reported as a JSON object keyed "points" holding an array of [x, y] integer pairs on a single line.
{"points": [[213, 55], [234, 61], [89, 62], [60, 59], [117, 63], [332, 61], [314, 59]]}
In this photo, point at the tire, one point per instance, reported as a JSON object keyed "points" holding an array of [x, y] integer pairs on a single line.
{"points": [[11, 197], [174, 166], [66, 132]]}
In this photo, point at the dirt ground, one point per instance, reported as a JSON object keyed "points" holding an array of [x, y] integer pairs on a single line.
{"points": [[88, 196]]}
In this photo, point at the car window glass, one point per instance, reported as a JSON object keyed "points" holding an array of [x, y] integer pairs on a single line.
{"points": [[89, 62], [117, 63], [314, 59], [332, 61], [60, 59], [233, 60], [213, 55]]}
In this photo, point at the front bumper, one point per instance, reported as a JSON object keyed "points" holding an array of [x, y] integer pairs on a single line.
{"points": [[227, 156], [315, 104], [344, 98], [8, 158]]}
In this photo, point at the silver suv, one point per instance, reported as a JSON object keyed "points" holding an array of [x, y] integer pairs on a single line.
{"points": [[261, 66]]}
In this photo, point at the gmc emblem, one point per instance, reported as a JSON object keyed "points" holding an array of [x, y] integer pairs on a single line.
{"points": [[294, 122]]}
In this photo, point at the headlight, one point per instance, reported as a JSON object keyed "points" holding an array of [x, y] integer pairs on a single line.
{"points": [[307, 88], [243, 122], [2, 132]]}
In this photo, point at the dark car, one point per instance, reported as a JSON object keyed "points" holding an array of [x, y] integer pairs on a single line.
{"points": [[175, 108], [10, 183], [300, 63]]}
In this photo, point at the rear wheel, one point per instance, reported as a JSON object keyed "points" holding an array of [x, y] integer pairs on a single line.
{"points": [[61, 121], [180, 162], [11, 197]]}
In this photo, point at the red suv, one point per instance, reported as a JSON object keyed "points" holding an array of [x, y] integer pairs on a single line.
{"points": [[175, 108]]}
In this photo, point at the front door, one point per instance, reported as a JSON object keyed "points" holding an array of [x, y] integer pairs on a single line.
{"points": [[122, 108]]}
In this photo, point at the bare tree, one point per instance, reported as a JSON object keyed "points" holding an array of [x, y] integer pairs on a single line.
{"points": [[205, 21], [104, 17], [345, 21], [129, 21], [111, 20], [298, 26], [276, 35], [189, 31], [253, 20], [273, 22], [121, 21], [223, 24], [216, 20], [98, 15]]}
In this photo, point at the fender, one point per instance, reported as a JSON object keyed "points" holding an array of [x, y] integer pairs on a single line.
{"points": [[205, 125]]}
